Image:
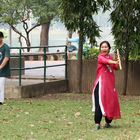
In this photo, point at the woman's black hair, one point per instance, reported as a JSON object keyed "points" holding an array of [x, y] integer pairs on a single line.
{"points": [[1, 35], [106, 43]]}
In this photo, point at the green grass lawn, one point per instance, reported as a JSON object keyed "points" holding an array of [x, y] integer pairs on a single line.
{"points": [[65, 117]]}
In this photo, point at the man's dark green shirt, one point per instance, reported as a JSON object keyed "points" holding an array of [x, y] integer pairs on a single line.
{"points": [[5, 52]]}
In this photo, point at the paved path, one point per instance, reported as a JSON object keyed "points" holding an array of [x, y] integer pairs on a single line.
{"points": [[36, 76], [50, 72]]}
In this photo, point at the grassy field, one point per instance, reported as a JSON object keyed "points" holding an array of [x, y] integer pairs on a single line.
{"points": [[65, 117]]}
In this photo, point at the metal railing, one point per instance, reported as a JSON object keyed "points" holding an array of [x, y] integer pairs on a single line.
{"points": [[19, 55]]}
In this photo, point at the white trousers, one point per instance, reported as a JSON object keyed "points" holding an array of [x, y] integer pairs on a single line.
{"points": [[2, 87]]}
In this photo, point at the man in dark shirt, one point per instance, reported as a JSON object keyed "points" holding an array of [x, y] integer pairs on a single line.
{"points": [[4, 66]]}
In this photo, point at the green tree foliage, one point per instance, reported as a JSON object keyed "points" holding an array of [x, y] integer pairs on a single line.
{"points": [[17, 12], [78, 15], [14, 12], [126, 24], [45, 11]]}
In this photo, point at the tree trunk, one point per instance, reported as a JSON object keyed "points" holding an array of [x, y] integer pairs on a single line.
{"points": [[126, 66], [44, 36], [28, 42], [80, 62]]}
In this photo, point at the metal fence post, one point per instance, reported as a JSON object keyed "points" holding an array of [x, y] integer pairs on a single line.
{"points": [[20, 65], [66, 63], [44, 64]]}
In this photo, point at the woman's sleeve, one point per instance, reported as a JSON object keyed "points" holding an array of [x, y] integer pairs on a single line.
{"points": [[115, 66], [102, 60]]}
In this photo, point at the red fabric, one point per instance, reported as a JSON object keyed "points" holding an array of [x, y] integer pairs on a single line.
{"points": [[109, 95]]}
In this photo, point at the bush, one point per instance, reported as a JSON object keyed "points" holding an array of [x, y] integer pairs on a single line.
{"points": [[134, 57], [90, 53], [134, 53]]}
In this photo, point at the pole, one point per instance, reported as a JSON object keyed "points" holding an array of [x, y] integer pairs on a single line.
{"points": [[10, 36], [44, 64], [20, 65], [66, 62]]}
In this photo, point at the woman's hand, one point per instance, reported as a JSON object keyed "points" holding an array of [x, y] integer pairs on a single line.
{"points": [[117, 61]]}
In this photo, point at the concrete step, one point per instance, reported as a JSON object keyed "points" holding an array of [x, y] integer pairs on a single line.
{"points": [[33, 88]]}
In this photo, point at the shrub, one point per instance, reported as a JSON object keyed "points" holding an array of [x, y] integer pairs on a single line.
{"points": [[90, 53]]}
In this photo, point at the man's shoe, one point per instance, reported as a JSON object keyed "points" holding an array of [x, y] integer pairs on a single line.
{"points": [[1, 103]]}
